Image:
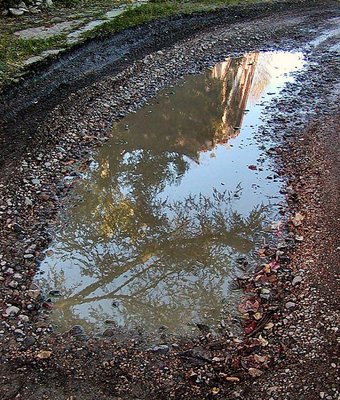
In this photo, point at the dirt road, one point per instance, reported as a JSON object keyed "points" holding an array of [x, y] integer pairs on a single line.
{"points": [[49, 125]]}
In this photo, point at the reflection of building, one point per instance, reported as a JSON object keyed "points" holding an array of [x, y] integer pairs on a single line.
{"points": [[237, 76]]}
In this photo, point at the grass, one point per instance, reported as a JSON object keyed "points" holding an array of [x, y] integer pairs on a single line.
{"points": [[134, 16], [14, 51]]}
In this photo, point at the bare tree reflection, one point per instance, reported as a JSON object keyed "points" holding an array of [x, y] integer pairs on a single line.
{"points": [[159, 261]]}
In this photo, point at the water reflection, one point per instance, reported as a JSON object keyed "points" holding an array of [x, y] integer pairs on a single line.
{"points": [[167, 208]]}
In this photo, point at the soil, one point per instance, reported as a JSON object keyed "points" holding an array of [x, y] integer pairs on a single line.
{"points": [[50, 124]]}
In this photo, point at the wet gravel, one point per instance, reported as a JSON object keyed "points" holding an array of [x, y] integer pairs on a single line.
{"points": [[289, 339]]}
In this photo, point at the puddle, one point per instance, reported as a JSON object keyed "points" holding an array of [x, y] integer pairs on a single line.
{"points": [[179, 196]]}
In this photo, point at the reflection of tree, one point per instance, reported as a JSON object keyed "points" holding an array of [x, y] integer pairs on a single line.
{"points": [[183, 255], [157, 258]]}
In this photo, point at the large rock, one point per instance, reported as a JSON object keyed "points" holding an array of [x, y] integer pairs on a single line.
{"points": [[16, 11]]}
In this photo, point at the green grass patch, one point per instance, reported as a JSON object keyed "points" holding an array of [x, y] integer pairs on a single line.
{"points": [[90, 3], [13, 51], [134, 16]]}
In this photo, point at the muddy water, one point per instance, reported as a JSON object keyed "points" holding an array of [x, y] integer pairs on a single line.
{"points": [[172, 205]]}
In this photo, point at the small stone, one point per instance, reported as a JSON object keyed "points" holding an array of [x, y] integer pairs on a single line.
{"points": [[290, 305], [12, 310], [254, 372], [76, 330], [23, 318], [13, 284], [33, 294], [109, 332], [297, 280], [16, 11], [162, 349], [28, 202], [29, 341], [28, 256]]}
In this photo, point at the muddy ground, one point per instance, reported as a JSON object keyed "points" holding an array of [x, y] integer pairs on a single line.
{"points": [[49, 125]]}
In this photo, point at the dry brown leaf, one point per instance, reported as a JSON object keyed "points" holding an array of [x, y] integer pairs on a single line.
{"points": [[215, 390], [269, 326], [257, 316], [297, 219], [44, 354]]}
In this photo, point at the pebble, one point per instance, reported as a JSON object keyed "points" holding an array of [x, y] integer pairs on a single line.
{"points": [[13, 284], [161, 349], [297, 280], [12, 310], [76, 330], [33, 294], [28, 202], [290, 305], [29, 341], [16, 11], [109, 332]]}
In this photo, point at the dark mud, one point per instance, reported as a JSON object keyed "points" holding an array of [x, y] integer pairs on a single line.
{"points": [[290, 344]]}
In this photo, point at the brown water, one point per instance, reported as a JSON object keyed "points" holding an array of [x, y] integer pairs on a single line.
{"points": [[170, 205]]}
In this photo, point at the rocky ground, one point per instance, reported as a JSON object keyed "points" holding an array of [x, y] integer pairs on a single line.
{"points": [[19, 8], [289, 346]]}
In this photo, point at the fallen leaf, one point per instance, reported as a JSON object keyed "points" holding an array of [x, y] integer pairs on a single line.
{"points": [[248, 305], [229, 378], [266, 268], [269, 326], [262, 253], [264, 342], [274, 265], [257, 316], [297, 219], [250, 327], [44, 354], [215, 390]]}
